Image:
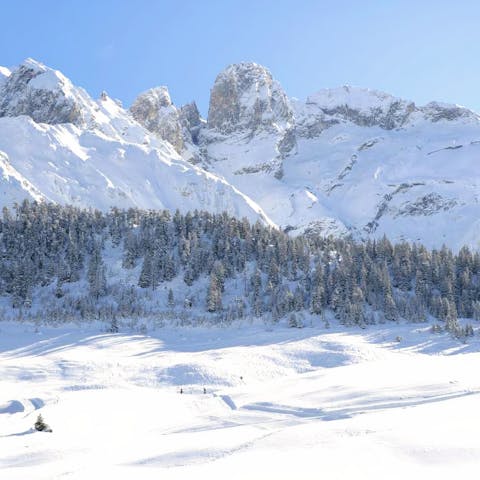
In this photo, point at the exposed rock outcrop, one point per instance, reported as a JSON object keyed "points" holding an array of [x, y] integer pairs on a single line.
{"points": [[154, 110], [245, 97], [191, 122], [43, 94], [437, 111]]}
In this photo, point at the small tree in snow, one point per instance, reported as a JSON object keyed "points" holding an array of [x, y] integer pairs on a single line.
{"points": [[40, 425]]}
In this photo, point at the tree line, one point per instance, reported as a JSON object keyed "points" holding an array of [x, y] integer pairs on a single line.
{"points": [[64, 263]]}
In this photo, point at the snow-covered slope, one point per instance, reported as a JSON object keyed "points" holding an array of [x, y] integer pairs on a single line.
{"points": [[420, 183], [58, 144], [283, 403]]}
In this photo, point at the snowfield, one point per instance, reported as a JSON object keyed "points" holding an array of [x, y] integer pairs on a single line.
{"points": [[279, 403]]}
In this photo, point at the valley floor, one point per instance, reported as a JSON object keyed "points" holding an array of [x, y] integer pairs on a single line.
{"points": [[279, 403]]}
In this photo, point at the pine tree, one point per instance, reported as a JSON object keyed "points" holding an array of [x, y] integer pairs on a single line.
{"points": [[476, 310], [171, 298], [59, 293], [114, 325], [97, 281], [451, 321], [130, 251], [317, 301], [292, 320], [147, 278], [214, 295]]}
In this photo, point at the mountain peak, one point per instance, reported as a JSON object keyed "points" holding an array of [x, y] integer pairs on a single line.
{"points": [[246, 69], [33, 64], [155, 111], [246, 97], [362, 106], [356, 97], [160, 96], [42, 93], [436, 111]]}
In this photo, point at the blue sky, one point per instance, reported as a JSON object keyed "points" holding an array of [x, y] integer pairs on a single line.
{"points": [[421, 50]]}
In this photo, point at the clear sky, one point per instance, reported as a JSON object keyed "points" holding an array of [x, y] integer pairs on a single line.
{"points": [[422, 50]]}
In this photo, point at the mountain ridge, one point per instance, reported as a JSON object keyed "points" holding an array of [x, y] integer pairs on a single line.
{"points": [[347, 161], [57, 141]]}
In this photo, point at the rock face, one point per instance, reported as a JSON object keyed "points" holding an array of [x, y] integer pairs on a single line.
{"points": [[154, 110], [245, 97], [191, 122], [437, 111], [190, 115], [43, 94]]}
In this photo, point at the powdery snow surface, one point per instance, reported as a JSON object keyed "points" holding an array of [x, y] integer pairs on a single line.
{"points": [[362, 99], [66, 165], [4, 74], [312, 402]]}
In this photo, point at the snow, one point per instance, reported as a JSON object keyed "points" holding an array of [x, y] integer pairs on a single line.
{"points": [[86, 168], [357, 98], [34, 65], [15, 186], [280, 402], [49, 80], [4, 73]]}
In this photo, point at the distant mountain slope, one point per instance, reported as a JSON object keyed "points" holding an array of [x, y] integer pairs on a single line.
{"points": [[351, 159]]}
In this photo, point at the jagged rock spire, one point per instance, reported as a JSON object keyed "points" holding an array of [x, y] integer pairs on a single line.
{"points": [[246, 97]]}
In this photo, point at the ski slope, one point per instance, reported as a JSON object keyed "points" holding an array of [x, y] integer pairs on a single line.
{"points": [[279, 403]]}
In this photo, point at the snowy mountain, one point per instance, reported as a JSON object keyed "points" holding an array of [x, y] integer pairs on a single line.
{"points": [[348, 160], [344, 161], [58, 144]]}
